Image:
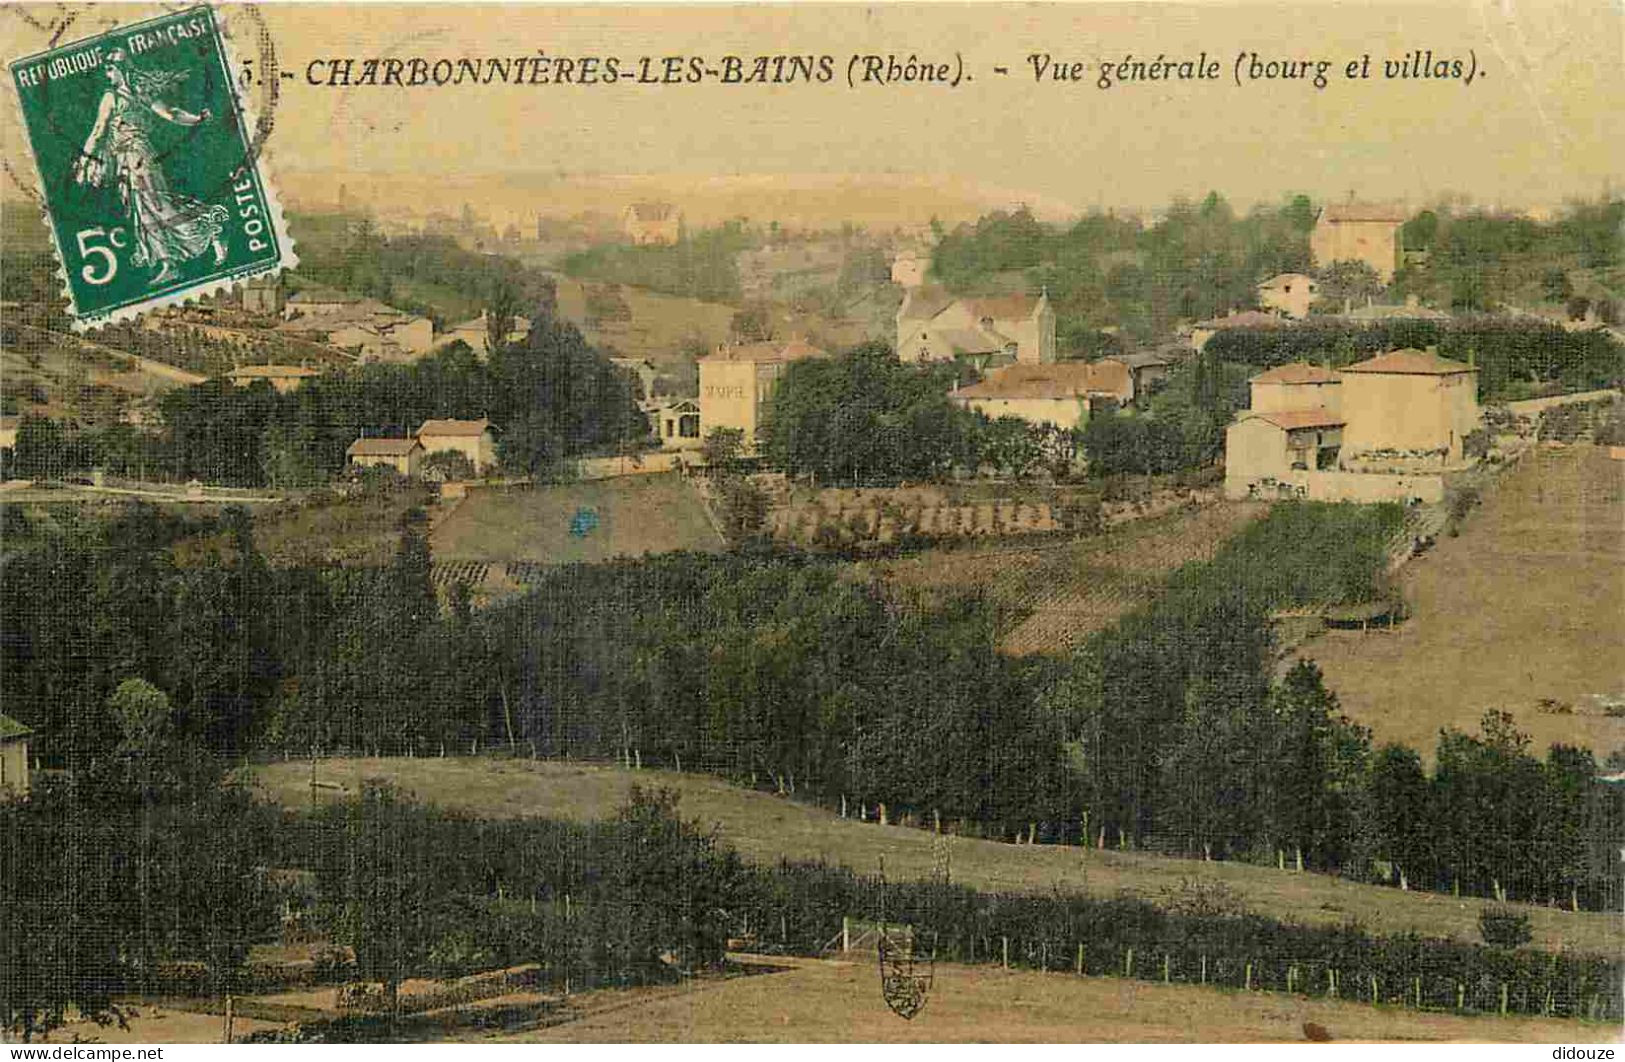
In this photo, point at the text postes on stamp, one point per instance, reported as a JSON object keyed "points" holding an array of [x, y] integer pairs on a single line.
{"points": [[152, 186]]}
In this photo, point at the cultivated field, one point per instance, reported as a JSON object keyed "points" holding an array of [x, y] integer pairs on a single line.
{"points": [[1051, 597], [767, 828], [578, 522], [1526, 605], [809, 1000]]}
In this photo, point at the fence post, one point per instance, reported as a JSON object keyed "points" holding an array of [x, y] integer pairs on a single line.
{"points": [[1128, 963], [1461, 996], [846, 933], [1080, 960], [1164, 967], [1503, 999], [1006, 941], [1249, 982], [1204, 968]]}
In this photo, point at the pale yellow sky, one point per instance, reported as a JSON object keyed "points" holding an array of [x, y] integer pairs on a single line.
{"points": [[1538, 124]]}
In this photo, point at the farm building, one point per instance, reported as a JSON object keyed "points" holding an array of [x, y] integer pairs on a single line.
{"points": [[471, 438], [1060, 393], [989, 331], [13, 757], [403, 455], [737, 380]]}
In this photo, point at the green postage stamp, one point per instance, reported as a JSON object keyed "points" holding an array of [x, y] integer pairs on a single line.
{"points": [[150, 180]]}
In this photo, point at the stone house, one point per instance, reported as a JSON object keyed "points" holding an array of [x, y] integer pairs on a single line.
{"points": [[1061, 393], [1353, 232], [989, 331]]}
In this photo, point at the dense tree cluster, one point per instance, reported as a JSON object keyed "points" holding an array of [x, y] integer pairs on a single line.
{"points": [[550, 398], [1513, 357], [866, 418], [1477, 261], [1197, 261], [426, 274], [701, 265]]}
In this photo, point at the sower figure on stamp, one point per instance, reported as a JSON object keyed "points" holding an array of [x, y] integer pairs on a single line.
{"points": [[167, 227]]}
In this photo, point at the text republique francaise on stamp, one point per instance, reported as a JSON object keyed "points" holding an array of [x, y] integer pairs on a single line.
{"points": [[152, 186]]}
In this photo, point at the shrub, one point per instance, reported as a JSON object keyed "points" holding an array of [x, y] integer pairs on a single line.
{"points": [[1504, 927]]}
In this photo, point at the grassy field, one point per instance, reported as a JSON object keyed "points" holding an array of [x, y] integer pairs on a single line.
{"points": [[1051, 597], [809, 1000], [767, 828], [630, 516], [1525, 605]]}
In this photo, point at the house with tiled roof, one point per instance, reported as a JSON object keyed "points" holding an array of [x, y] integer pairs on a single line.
{"points": [[989, 331], [1289, 294], [1061, 393], [1297, 385], [473, 439], [1410, 403], [403, 455], [1386, 428]]}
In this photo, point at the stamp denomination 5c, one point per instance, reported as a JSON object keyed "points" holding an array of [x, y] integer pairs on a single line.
{"points": [[153, 189]]}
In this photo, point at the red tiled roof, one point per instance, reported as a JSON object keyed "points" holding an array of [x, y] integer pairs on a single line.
{"points": [[455, 427], [382, 447], [1293, 419], [1297, 372], [1064, 379], [1411, 362]]}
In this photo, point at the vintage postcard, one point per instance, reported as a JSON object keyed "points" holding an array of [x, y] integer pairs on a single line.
{"points": [[877, 523]]}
